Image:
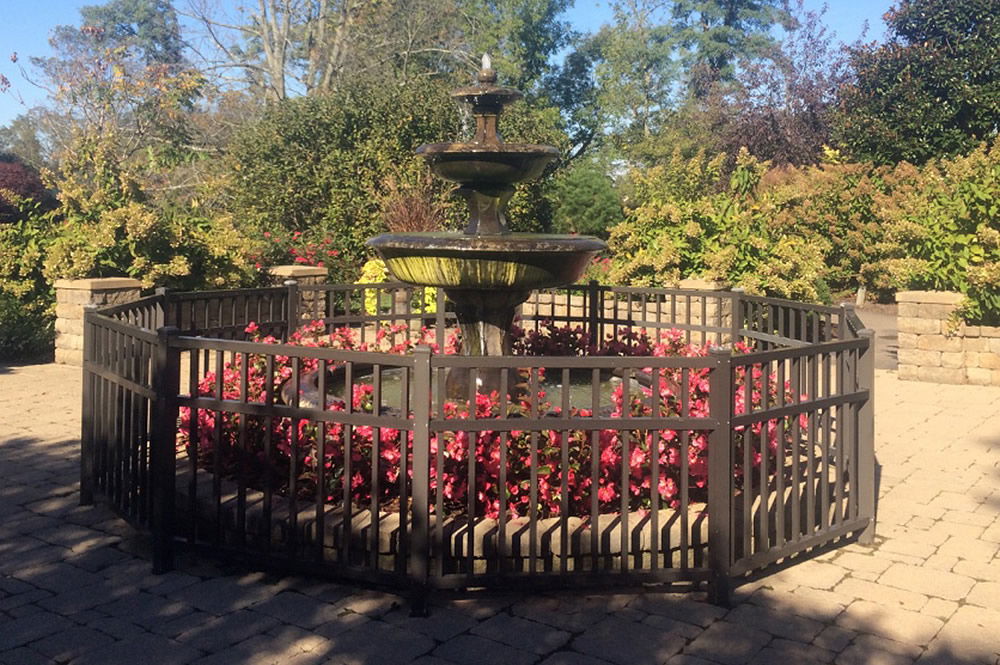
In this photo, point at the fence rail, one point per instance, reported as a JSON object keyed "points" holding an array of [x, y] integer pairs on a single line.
{"points": [[534, 471]]}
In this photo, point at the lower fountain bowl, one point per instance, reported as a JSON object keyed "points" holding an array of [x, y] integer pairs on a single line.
{"points": [[523, 261]]}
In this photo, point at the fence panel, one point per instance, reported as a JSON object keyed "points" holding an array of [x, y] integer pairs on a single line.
{"points": [[117, 397]]}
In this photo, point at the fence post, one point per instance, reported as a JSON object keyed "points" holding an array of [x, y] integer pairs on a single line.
{"points": [[440, 321], [593, 313], [720, 476], [843, 330], [87, 411], [291, 308], [161, 313], [162, 444], [420, 506], [866, 436], [736, 315]]}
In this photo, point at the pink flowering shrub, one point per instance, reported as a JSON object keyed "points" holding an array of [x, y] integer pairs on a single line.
{"points": [[352, 457]]}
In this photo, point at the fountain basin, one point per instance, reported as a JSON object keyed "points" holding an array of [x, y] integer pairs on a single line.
{"points": [[522, 261], [487, 164]]}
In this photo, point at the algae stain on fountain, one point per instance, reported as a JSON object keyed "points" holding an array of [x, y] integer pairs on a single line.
{"points": [[487, 271]]}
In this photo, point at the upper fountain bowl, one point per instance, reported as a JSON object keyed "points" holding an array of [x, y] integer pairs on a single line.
{"points": [[496, 165]]}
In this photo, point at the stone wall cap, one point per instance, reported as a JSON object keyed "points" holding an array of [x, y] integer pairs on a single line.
{"points": [[98, 283], [297, 271], [699, 284], [930, 297]]}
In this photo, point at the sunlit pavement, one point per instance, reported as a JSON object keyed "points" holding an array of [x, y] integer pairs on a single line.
{"points": [[76, 585]]}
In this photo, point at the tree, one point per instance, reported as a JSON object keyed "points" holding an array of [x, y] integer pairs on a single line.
{"points": [[933, 89], [715, 33], [121, 77], [781, 107], [636, 71]]}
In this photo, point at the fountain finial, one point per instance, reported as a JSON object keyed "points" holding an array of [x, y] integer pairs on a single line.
{"points": [[487, 76]]}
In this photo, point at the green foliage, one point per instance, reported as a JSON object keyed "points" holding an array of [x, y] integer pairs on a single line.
{"points": [[585, 199], [26, 297], [931, 90], [715, 33], [688, 220], [942, 231], [319, 162], [108, 227]]}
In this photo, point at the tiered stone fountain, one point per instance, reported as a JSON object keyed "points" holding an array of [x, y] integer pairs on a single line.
{"points": [[487, 271]]}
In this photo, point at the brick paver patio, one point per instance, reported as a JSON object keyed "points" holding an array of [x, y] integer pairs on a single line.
{"points": [[76, 586]]}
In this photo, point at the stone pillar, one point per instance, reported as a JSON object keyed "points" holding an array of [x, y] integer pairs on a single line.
{"points": [[933, 346], [312, 305], [71, 296]]}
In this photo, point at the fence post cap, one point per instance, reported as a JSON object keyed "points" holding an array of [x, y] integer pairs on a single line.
{"points": [[90, 307], [161, 290], [866, 332], [720, 350], [291, 282], [167, 331], [848, 306], [738, 289]]}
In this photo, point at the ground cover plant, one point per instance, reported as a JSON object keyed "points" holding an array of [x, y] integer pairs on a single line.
{"points": [[592, 462]]}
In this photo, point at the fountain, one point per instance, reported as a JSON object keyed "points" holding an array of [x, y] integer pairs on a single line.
{"points": [[487, 271]]}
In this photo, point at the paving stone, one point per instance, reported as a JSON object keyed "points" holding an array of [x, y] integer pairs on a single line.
{"points": [[855, 562], [896, 624], [295, 608], [475, 650], [814, 574], [678, 606], [70, 643], [860, 655], [145, 609], [626, 642], [213, 634], [985, 594], [787, 651], [147, 649], [664, 624], [442, 624], [884, 595], [572, 658], [942, 609], [19, 632], [988, 572], [224, 594], [23, 656], [82, 598], [35, 595], [939, 584], [183, 624], [480, 607], [728, 643], [972, 549], [780, 624], [60, 577], [341, 624], [970, 634], [684, 659], [570, 614], [370, 603], [521, 633]]}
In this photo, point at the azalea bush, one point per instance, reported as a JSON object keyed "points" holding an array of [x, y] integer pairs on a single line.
{"points": [[377, 453]]}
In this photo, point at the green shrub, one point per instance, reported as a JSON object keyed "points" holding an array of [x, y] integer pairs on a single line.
{"points": [[26, 297], [688, 221], [942, 230]]}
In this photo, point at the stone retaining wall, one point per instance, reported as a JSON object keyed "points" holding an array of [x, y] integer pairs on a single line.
{"points": [[71, 296], [934, 347]]}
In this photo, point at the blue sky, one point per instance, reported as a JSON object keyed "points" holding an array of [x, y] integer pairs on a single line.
{"points": [[27, 23]]}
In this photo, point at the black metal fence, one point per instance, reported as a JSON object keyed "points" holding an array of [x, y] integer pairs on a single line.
{"points": [[747, 441]]}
